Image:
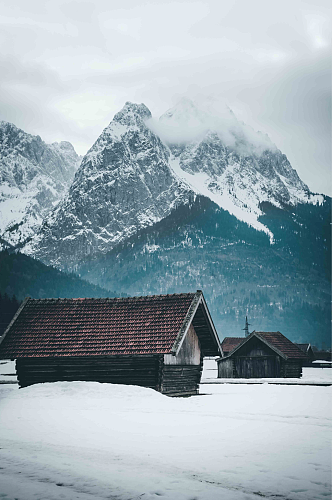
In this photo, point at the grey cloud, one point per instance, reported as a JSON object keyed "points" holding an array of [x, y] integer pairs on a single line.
{"points": [[18, 72], [191, 121], [74, 63]]}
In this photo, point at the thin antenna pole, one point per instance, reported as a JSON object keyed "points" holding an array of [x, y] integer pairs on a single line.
{"points": [[246, 328]]}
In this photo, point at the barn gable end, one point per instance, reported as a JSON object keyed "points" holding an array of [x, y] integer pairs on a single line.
{"points": [[189, 352], [182, 371], [255, 347], [262, 355]]}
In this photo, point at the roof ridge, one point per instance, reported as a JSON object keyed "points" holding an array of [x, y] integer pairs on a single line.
{"points": [[233, 338], [279, 333], [256, 331], [135, 297]]}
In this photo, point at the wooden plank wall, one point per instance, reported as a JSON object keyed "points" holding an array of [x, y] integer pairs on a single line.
{"points": [[226, 368], [133, 370], [256, 367], [145, 371], [291, 368], [181, 380]]}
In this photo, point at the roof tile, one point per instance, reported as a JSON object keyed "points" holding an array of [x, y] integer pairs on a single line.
{"points": [[283, 344], [229, 343], [81, 327]]}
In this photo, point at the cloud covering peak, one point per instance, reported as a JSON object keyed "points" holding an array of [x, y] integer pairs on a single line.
{"points": [[191, 120]]}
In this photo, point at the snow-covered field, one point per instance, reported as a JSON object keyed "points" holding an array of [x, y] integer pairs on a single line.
{"points": [[309, 376], [84, 440]]}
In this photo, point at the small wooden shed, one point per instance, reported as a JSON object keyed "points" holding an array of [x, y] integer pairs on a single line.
{"points": [[154, 341], [261, 355], [229, 344], [310, 355]]}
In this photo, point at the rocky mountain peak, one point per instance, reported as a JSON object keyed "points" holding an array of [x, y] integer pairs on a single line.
{"points": [[130, 120], [12, 137], [183, 123], [124, 183], [34, 176], [132, 114], [64, 146], [227, 161], [139, 170]]}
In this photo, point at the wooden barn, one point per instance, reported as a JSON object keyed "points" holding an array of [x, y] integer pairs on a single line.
{"points": [[310, 355], [229, 343], [155, 341], [260, 355]]}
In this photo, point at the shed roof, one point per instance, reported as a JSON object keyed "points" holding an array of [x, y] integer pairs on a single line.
{"points": [[153, 324], [229, 343], [278, 341], [304, 347], [275, 340]]}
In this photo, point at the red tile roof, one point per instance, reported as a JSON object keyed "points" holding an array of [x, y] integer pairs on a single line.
{"points": [[229, 343], [94, 327], [283, 344]]}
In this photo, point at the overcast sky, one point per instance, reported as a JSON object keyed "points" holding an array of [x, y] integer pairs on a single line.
{"points": [[68, 66]]}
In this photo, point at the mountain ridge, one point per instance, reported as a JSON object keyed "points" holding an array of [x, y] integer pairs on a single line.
{"points": [[33, 178], [219, 209], [229, 162], [123, 183], [131, 178]]}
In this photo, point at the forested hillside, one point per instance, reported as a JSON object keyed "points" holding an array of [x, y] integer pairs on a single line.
{"points": [[23, 276], [200, 246]]}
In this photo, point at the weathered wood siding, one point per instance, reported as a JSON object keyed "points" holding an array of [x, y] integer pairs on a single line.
{"points": [[141, 370], [226, 368], [178, 375], [181, 380], [181, 374], [253, 360], [291, 368], [257, 366], [189, 353], [255, 347]]}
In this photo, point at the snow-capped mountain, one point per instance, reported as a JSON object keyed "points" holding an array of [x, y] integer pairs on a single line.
{"points": [[140, 169], [33, 178], [227, 161], [194, 200], [124, 183]]}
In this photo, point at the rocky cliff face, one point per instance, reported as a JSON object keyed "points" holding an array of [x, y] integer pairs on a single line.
{"points": [[33, 178], [139, 170], [124, 183], [194, 200], [230, 163]]}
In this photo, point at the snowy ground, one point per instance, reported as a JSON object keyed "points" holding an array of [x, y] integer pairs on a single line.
{"points": [[95, 441], [314, 376]]}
